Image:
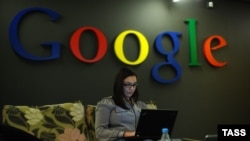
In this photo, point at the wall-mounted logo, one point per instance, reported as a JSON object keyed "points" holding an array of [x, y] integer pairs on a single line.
{"points": [[119, 44]]}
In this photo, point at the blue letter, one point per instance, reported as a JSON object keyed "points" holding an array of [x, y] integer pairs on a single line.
{"points": [[169, 57], [55, 52]]}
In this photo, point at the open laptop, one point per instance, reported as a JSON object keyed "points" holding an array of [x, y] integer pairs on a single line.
{"points": [[152, 121]]}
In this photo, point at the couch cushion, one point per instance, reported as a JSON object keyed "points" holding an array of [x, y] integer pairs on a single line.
{"points": [[58, 122]]}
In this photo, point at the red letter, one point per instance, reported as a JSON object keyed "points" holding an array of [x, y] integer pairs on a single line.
{"points": [[207, 50], [102, 44]]}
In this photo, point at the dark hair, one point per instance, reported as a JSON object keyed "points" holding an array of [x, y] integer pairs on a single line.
{"points": [[118, 92]]}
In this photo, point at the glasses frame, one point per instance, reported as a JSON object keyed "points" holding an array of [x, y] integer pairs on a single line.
{"points": [[129, 85]]}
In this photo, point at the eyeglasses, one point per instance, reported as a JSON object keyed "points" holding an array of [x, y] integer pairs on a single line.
{"points": [[129, 85]]}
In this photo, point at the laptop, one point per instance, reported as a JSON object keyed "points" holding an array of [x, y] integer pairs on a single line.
{"points": [[152, 121]]}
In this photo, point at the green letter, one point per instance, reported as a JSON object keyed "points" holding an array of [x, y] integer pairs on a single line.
{"points": [[192, 42]]}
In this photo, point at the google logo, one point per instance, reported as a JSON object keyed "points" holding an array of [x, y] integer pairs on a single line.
{"points": [[118, 46]]}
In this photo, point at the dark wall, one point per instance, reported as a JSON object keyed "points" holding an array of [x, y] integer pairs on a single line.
{"points": [[204, 95]]}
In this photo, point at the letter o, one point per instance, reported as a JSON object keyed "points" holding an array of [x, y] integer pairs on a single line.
{"points": [[144, 47], [75, 48]]}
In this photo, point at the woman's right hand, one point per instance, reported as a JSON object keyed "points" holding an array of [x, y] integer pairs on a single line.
{"points": [[129, 133]]}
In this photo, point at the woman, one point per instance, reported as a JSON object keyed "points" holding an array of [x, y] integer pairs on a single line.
{"points": [[117, 116]]}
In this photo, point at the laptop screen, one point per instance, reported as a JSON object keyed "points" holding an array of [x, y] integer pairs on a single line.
{"points": [[152, 121]]}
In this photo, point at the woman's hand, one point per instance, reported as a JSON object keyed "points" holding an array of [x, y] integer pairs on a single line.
{"points": [[129, 134]]}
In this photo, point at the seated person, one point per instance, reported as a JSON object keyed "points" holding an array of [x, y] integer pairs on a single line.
{"points": [[117, 116]]}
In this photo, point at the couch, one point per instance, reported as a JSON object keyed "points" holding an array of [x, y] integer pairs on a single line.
{"points": [[70, 121]]}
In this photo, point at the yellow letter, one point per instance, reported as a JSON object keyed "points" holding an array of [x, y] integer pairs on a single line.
{"points": [[144, 48]]}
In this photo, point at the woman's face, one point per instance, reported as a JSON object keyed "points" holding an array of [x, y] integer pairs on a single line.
{"points": [[129, 86]]}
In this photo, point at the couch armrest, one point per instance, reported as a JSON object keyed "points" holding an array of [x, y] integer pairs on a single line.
{"points": [[151, 104]]}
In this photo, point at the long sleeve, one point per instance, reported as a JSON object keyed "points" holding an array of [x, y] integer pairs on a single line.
{"points": [[103, 130]]}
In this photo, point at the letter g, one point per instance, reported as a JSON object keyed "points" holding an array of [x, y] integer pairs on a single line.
{"points": [[14, 40], [169, 60]]}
